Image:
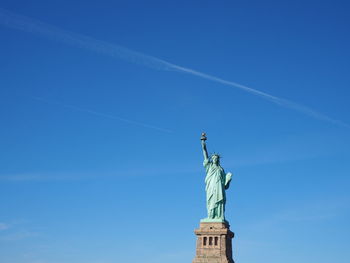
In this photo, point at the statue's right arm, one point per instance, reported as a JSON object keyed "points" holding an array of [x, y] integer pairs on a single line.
{"points": [[205, 152]]}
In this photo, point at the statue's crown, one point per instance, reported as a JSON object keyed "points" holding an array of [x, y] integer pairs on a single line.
{"points": [[215, 154]]}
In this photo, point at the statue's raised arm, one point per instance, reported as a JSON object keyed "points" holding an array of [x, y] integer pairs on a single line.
{"points": [[204, 146]]}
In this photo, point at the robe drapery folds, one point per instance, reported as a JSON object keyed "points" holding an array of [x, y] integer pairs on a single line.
{"points": [[216, 182]]}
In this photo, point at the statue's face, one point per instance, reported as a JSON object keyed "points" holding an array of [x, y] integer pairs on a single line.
{"points": [[215, 159]]}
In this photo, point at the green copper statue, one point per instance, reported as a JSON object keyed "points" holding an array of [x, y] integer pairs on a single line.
{"points": [[217, 181]]}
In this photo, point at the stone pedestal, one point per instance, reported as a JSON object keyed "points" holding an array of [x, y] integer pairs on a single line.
{"points": [[214, 243]]}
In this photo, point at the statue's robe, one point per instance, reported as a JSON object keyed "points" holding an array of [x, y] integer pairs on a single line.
{"points": [[216, 182]]}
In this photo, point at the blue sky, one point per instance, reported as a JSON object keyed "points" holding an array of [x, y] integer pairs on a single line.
{"points": [[100, 151]]}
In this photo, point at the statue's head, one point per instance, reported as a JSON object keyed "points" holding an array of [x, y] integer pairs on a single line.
{"points": [[215, 158]]}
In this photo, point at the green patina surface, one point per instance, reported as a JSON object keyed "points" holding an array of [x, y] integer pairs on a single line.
{"points": [[217, 181]]}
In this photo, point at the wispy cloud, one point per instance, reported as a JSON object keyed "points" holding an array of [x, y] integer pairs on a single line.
{"points": [[316, 214], [14, 232], [12, 20], [4, 226], [315, 210], [282, 150], [19, 235], [42, 177], [309, 211], [96, 113], [146, 171], [51, 176]]}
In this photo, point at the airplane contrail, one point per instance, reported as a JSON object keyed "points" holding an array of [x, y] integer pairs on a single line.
{"points": [[27, 24], [109, 116]]}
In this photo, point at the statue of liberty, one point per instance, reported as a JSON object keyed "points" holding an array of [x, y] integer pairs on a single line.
{"points": [[217, 181]]}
